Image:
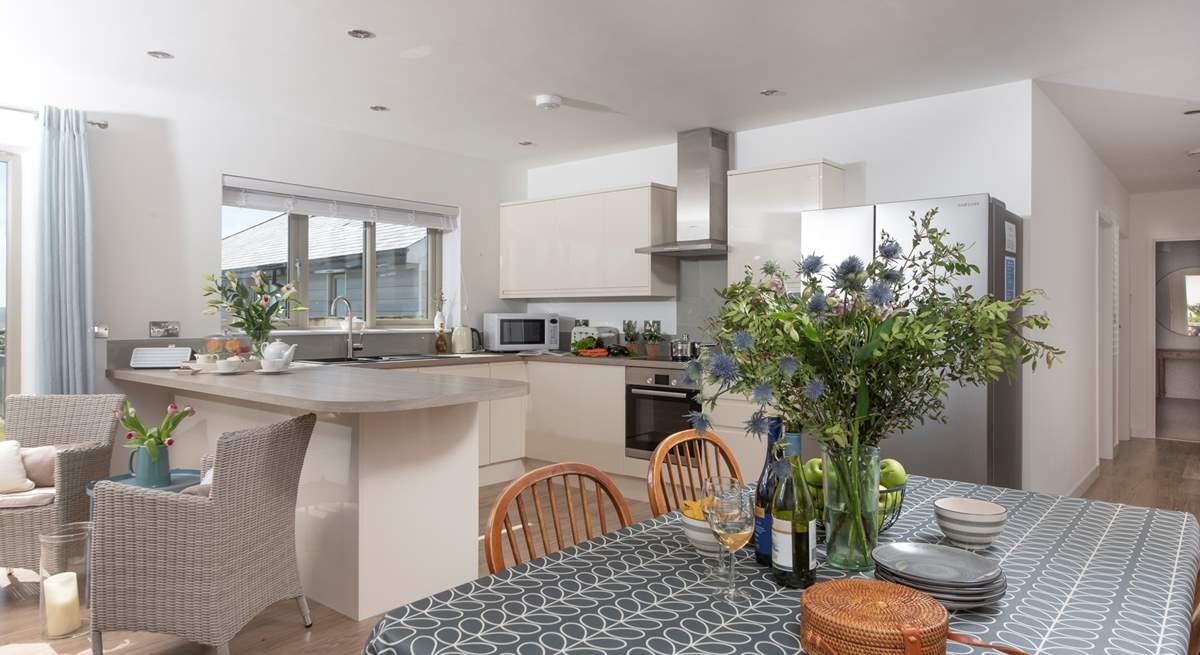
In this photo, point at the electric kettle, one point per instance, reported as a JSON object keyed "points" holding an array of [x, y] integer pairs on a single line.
{"points": [[465, 339]]}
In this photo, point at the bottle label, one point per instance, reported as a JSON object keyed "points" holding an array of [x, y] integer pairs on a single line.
{"points": [[781, 544], [812, 545], [762, 532]]}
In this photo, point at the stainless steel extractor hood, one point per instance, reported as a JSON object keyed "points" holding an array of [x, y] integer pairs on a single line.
{"points": [[700, 198]]}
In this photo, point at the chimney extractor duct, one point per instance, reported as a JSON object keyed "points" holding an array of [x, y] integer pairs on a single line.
{"points": [[700, 197]]}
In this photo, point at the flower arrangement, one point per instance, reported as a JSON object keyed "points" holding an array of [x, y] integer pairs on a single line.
{"points": [[139, 436], [253, 308], [864, 350]]}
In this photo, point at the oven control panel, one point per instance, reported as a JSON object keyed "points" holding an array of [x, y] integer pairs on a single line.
{"points": [[658, 377]]}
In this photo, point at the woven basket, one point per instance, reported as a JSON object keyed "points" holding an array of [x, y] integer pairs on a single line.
{"points": [[872, 617]]}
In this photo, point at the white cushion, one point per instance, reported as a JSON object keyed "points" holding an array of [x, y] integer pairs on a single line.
{"points": [[207, 478], [12, 469], [36, 497]]}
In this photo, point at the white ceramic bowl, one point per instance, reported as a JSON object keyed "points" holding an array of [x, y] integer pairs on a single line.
{"points": [[970, 523], [229, 365], [701, 536]]}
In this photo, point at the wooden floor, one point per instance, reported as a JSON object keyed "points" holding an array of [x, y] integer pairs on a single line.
{"points": [[277, 630], [1151, 473]]}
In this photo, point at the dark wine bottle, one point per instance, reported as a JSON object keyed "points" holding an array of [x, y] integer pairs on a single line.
{"points": [[765, 493], [793, 522]]}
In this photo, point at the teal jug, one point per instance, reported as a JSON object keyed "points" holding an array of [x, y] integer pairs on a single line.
{"points": [[150, 474]]}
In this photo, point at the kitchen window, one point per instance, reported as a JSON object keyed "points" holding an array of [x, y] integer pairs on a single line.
{"points": [[383, 254]]}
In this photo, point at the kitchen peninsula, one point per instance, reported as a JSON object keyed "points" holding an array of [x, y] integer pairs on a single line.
{"points": [[391, 470]]}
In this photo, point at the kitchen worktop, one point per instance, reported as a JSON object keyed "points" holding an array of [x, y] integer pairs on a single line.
{"points": [[349, 389], [494, 358]]}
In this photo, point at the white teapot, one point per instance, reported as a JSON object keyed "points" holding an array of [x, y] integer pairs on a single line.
{"points": [[277, 349]]}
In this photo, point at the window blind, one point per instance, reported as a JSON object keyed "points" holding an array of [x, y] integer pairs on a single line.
{"points": [[315, 201]]}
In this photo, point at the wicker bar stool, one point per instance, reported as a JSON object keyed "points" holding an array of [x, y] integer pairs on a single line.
{"points": [[201, 567], [83, 427]]}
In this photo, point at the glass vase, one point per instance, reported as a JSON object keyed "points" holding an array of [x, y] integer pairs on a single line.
{"points": [[63, 571], [851, 486]]}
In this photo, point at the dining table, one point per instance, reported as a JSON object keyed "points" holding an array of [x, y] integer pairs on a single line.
{"points": [[1084, 576]]}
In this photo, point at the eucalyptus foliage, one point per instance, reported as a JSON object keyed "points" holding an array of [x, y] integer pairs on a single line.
{"points": [[864, 350]]}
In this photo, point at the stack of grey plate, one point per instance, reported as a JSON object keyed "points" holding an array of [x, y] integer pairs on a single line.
{"points": [[957, 578]]}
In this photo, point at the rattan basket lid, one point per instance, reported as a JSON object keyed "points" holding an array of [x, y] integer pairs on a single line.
{"points": [[871, 616]]}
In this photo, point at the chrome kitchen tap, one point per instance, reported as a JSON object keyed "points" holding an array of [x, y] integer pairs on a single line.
{"points": [[350, 345]]}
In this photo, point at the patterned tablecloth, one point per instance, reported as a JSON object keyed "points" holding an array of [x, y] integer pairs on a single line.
{"points": [[1083, 577]]}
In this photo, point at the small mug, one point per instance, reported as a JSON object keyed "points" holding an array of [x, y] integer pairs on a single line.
{"points": [[273, 364], [206, 358]]}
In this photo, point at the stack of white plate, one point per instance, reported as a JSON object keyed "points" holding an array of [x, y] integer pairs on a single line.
{"points": [[956, 578], [970, 523]]}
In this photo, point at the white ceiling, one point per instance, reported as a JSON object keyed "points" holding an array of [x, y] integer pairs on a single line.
{"points": [[461, 75], [1144, 139]]}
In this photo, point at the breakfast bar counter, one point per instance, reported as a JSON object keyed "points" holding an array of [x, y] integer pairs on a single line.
{"points": [[391, 470]]}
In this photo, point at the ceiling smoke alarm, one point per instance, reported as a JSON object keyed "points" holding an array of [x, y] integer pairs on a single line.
{"points": [[547, 101]]}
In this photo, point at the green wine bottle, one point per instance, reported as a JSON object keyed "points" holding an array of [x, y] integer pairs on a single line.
{"points": [[793, 522]]}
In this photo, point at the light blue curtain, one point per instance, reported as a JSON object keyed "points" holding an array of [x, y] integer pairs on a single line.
{"points": [[64, 255]]}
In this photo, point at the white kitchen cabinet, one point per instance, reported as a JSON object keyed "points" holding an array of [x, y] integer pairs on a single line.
{"points": [[729, 422], [508, 416], [485, 408], [577, 414], [764, 212], [583, 245]]}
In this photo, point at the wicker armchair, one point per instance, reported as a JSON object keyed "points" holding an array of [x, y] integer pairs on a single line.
{"points": [[84, 423], [202, 567]]}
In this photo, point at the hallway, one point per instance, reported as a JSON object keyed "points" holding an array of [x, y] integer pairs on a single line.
{"points": [[1152, 473]]}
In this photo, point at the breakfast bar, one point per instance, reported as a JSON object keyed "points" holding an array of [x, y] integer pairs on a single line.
{"points": [[391, 470]]}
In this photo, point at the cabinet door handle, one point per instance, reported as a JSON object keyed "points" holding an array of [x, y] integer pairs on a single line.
{"points": [[662, 394]]}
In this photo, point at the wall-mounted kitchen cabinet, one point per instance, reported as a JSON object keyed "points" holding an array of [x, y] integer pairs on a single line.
{"points": [[582, 246], [764, 212]]}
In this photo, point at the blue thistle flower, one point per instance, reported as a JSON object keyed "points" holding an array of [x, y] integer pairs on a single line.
{"points": [[818, 303], [694, 372], [787, 366], [891, 276], [848, 271], [699, 421], [811, 265], [880, 294], [722, 367], [814, 389], [889, 250], [757, 425], [771, 268], [762, 393], [743, 340]]}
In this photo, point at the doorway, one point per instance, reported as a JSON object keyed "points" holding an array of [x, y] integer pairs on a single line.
{"points": [[1177, 340]]}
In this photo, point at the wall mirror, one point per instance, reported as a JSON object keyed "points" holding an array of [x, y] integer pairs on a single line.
{"points": [[1178, 301]]}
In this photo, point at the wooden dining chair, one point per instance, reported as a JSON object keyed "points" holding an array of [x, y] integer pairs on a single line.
{"points": [[679, 466], [549, 497]]}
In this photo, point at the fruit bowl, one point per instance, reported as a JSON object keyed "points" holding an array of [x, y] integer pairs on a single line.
{"points": [[702, 537]]}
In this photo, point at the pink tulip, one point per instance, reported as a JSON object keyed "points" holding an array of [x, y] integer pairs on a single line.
{"points": [[172, 408], [170, 441], [189, 411], [119, 415], [129, 435]]}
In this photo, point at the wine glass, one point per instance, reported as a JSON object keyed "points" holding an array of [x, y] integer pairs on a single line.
{"points": [[710, 488], [730, 514]]}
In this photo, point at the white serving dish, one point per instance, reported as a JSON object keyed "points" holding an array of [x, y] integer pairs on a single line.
{"points": [[701, 536], [970, 523]]}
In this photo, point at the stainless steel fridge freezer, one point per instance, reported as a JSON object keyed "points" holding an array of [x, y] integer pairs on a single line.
{"points": [[982, 438]]}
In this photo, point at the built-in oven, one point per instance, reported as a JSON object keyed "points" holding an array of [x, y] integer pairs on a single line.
{"points": [[657, 401]]}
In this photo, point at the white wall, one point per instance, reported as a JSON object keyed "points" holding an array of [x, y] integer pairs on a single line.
{"points": [[1165, 216], [156, 180], [970, 142], [1069, 186]]}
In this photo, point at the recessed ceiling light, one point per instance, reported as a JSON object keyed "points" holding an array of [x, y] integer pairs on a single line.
{"points": [[770, 92], [361, 34], [380, 108], [526, 143], [1191, 112], [159, 54]]}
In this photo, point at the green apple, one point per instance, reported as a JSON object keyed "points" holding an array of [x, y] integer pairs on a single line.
{"points": [[891, 473], [812, 472], [887, 502]]}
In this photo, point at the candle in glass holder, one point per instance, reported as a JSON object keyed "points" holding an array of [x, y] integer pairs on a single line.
{"points": [[60, 593]]}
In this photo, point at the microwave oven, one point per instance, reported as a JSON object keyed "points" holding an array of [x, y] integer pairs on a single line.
{"points": [[516, 332]]}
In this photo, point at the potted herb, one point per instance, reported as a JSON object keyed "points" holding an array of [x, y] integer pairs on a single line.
{"points": [[253, 308], [652, 338], [150, 461], [631, 333], [863, 351]]}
